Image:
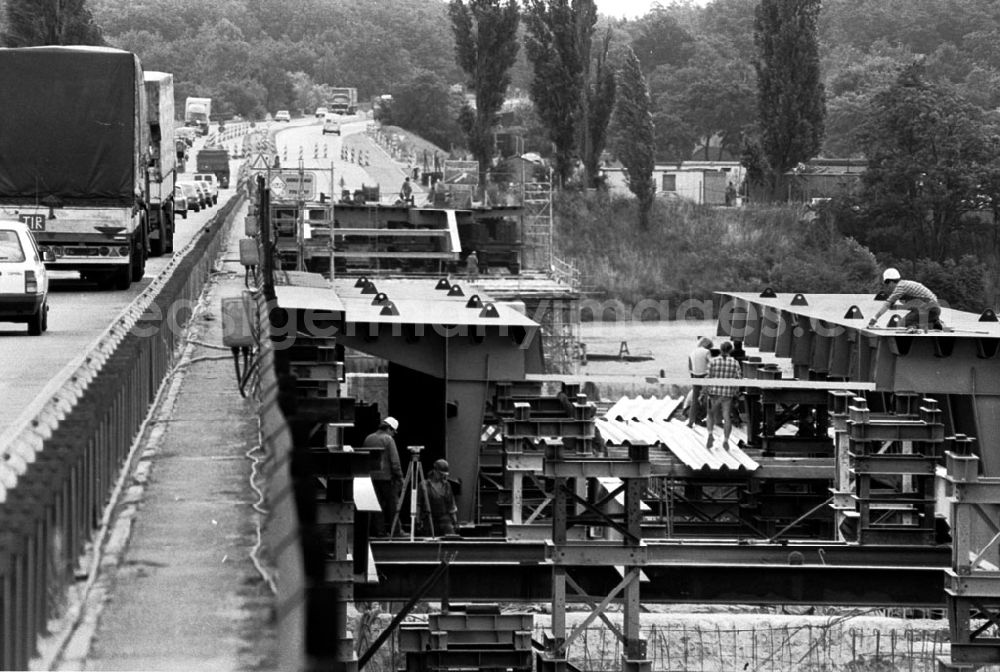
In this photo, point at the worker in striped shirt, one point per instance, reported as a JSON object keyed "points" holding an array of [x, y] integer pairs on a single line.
{"points": [[721, 396], [924, 310]]}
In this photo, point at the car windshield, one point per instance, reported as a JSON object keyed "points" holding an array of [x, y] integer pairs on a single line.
{"points": [[10, 247]]}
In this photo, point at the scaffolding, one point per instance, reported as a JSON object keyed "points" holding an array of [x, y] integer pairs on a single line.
{"points": [[537, 199]]}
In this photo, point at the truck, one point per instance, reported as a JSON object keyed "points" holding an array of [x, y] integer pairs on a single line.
{"points": [[197, 113], [162, 165], [343, 100], [214, 160], [73, 157]]}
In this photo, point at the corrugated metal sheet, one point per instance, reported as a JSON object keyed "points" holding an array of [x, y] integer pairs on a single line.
{"points": [[642, 420]]}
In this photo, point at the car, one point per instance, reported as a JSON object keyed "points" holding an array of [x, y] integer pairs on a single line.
{"points": [[321, 112], [24, 282], [282, 115], [180, 203], [331, 124], [206, 197], [207, 180], [195, 201]]}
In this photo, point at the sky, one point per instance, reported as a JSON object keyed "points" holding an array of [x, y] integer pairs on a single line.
{"points": [[632, 8]]}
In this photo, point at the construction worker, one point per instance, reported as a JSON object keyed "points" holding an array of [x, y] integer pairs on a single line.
{"points": [[438, 495], [472, 264], [388, 479], [721, 396], [924, 310], [698, 360], [406, 192]]}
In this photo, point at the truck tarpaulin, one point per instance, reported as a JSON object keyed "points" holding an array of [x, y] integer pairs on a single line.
{"points": [[69, 127]]}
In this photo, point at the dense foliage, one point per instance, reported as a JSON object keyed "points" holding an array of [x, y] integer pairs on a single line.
{"points": [[31, 23], [698, 250]]}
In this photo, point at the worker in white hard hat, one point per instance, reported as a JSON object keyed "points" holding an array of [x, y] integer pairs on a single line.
{"points": [[388, 478], [924, 310]]}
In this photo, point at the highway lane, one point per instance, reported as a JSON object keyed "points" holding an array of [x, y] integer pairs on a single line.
{"points": [[319, 153], [79, 312]]}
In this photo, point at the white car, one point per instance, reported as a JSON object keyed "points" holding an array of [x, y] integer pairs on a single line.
{"points": [[321, 112], [331, 124], [282, 115], [24, 282], [211, 184]]}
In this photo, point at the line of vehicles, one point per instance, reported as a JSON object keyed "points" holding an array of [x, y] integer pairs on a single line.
{"points": [[89, 171]]}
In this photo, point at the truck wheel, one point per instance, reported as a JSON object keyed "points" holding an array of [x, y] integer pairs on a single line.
{"points": [[168, 242], [35, 327], [122, 277], [156, 245], [137, 265]]}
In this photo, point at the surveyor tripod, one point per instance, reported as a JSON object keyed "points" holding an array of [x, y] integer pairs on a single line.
{"points": [[414, 480]]}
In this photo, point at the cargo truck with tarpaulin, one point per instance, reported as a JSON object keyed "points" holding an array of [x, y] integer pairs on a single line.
{"points": [[162, 161], [198, 113], [73, 157], [343, 100], [214, 160]]}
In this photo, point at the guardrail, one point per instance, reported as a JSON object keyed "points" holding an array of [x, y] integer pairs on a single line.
{"points": [[60, 460], [281, 534]]}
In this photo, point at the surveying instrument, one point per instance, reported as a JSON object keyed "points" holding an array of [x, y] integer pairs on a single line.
{"points": [[415, 480]]}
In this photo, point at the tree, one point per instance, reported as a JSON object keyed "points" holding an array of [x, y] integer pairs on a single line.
{"points": [[32, 23], [790, 105], [558, 45], [600, 104], [710, 98], [634, 136], [423, 106], [931, 171], [660, 40], [485, 48]]}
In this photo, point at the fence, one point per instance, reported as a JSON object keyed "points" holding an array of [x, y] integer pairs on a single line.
{"points": [[60, 461]]}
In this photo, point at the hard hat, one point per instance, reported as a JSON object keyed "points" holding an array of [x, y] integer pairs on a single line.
{"points": [[442, 466], [890, 274], [392, 423]]}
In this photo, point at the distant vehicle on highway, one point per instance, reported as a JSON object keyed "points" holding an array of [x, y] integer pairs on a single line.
{"points": [[331, 124], [282, 115], [24, 282], [195, 201], [180, 203], [321, 112], [207, 180], [187, 133]]}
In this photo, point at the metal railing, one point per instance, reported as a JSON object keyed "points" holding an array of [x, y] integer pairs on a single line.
{"points": [[60, 460]]}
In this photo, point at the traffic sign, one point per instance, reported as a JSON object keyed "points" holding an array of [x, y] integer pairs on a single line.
{"points": [[300, 184], [259, 162], [277, 186]]}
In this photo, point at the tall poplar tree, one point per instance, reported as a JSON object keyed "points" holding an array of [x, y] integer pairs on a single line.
{"points": [[32, 23], [600, 103], [558, 45], [790, 101], [486, 49], [635, 133]]}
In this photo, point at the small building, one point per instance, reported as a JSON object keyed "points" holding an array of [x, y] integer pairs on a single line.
{"points": [[816, 179], [697, 181]]}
